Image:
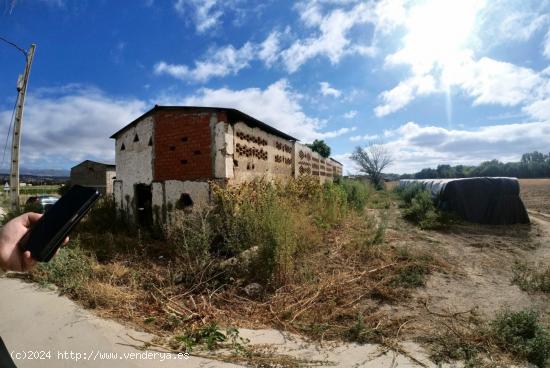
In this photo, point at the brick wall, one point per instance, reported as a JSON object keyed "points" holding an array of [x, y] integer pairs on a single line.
{"points": [[182, 145]]}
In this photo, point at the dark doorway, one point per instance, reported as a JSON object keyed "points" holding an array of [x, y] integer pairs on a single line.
{"points": [[144, 205]]}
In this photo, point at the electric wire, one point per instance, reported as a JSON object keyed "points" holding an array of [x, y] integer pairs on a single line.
{"points": [[14, 45], [9, 131]]}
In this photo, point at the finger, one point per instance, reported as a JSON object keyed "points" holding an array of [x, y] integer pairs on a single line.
{"points": [[28, 261], [30, 218], [65, 241]]}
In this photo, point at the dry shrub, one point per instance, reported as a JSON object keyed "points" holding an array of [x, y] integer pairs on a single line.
{"points": [[281, 221], [97, 294]]}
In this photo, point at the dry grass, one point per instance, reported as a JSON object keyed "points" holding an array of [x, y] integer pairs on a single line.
{"points": [[535, 193]]}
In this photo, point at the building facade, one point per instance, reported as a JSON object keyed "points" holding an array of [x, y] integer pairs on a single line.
{"points": [[168, 157], [95, 175]]}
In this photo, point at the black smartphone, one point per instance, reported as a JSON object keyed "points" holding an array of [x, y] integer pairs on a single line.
{"points": [[48, 233]]}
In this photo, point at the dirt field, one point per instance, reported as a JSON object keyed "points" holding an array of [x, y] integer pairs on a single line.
{"points": [[536, 194]]}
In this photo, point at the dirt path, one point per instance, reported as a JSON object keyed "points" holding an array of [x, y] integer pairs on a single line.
{"points": [[481, 261], [37, 320]]}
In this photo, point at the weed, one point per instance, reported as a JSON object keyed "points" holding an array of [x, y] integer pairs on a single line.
{"points": [[331, 207], [530, 279], [408, 193], [421, 209], [103, 217], [357, 193], [209, 336], [411, 276], [521, 334], [359, 332], [413, 273], [70, 269]]}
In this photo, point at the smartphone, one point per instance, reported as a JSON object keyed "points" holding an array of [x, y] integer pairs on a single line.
{"points": [[47, 234]]}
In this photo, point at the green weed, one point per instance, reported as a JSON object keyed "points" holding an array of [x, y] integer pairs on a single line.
{"points": [[521, 334]]}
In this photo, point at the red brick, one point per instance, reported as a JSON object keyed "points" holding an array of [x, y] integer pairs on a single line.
{"points": [[169, 129]]}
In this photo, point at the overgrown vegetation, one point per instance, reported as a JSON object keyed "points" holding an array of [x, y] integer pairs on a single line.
{"points": [[70, 269], [304, 256], [418, 207], [532, 279], [520, 333], [357, 193]]}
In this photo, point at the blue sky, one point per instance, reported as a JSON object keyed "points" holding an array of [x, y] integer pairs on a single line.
{"points": [[436, 81]]}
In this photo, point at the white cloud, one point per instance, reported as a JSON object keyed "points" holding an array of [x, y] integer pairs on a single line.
{"points": [[366, 138], [490, 81], [402, 94], [269, 49], [327, 90], [331, 40], [220, 62], [415, 147], [350, 114], [207, 13], [389, 14], [441, 44], [521, 26], [70, 124], [539, 109], [277, 105], [546, 45]]}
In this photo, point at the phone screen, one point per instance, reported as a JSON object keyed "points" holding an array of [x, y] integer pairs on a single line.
{"points": [[47, 234]]}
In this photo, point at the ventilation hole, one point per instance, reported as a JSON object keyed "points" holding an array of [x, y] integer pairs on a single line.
{"points": [[136, 138], [197, 152], [123, 147], [150, 142], [183, 162], [184, 139], [236, 163], [185, 201], [172, 148]]}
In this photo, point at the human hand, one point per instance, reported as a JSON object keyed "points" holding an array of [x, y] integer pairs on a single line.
{"points": [[12, 257]]}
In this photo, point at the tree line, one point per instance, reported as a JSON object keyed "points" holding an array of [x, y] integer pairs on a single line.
{"points": [[532, 165]]}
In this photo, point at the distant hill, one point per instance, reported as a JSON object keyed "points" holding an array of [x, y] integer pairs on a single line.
{"points": [[37, 176], [39, 172]]}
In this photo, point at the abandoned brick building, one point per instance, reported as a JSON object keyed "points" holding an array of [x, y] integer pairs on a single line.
{"points": [[95, 175], [167, 157]]}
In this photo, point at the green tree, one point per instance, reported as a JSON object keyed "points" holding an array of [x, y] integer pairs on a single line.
{"points": [[320, 147]]}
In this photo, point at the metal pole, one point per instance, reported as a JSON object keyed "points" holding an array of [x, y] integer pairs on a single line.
{"points": [[16, 137]]}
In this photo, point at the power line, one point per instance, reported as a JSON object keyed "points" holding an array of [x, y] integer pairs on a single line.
{"points": [[14, 45], [9, 131]]}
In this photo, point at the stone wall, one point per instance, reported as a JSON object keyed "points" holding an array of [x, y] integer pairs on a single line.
{"points": [[134, 162], [172, 195], [260, 154], [307, 162], [94, 175]]}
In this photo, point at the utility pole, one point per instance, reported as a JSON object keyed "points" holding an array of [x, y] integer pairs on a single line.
{"points": [[22, 82]]}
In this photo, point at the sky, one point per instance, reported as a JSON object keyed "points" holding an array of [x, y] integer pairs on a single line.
{"points": [[435, 81]]}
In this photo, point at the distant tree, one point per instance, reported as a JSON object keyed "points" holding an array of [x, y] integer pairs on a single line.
{"points": [[320, 147], [372, 160], [532, 165]]}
